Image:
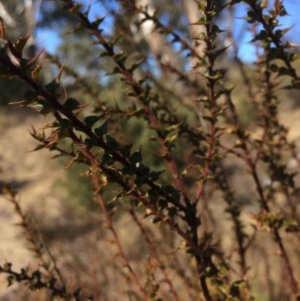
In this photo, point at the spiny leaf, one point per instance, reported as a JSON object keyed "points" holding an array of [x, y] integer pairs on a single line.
{"points": [[125, 150], [107, 159], [135, 66], [72, 104], [116, 70], [261, 36], [43, 106], [172, 128], [281, 32], [52, 86], [30, 96], [120, 57], [38, 147], [284, 71], [172, 191], [102, 130], [136, 157], [169, 141], [65, 124], [96, 23], [112, 143], [11, 280], [156, 220], [79, 26], [201, 21], [91, 120], [154, 175]]}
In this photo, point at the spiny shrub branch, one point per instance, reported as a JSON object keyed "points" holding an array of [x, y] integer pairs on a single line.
{"points": [[173, 202]]}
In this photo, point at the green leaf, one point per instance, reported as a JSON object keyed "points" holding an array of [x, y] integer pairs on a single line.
{"points": [[236, 287], [135, 66], [65, 124], [136, 157], [144, 173], [90, 142], [171, 128], [38, 147], [61, 135], [169, 142], [71, 104], [125, 150], [52, 86], [172, 212], [30, 96], [284, 71], [156, 220], [251, 17], [102, 130], [96, 23], [108, 159], [162, 204], [43, 106], [112, 143], [120, 57], [261, 36], [11, 280], [293, 56], [91, 120], [172, 191], [153, 193], [128, 171], [215, 31], [116, 70], [154, 175]]}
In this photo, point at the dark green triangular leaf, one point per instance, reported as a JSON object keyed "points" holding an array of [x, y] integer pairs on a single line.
{"points": [[155, 175], [102, 130], [11, 280], [91, 120], [125, 150], [43, 106], [107, 159], [218, 52], [65, 124], [112, 143], [284, 71], [52, 86], [96, 23], [173, 192], [71, 104], [136, 157], [30, 96]]}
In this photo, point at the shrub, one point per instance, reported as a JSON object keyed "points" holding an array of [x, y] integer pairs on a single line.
{"points": [[199, 152]]}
